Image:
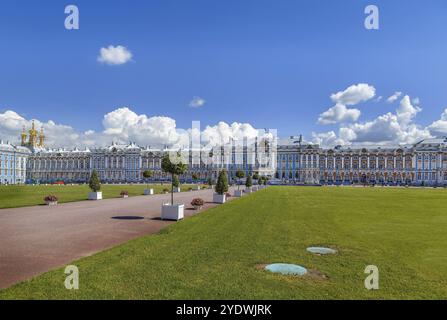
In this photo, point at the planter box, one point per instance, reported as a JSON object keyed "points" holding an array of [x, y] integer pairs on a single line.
{"points": [[124, 196], [51, 203], [219, 198], [172, 212], [176, 190], [238, 193], [148, 192], [95, 195]]}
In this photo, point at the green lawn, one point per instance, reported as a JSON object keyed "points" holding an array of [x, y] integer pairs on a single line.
{"points": [[215, 254], [26, 195]]}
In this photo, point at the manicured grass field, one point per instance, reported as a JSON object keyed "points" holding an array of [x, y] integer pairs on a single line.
{"points": [[21, 196], [215, 254]]}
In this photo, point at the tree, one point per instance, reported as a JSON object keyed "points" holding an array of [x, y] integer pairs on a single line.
{"points": [[147, 175], [175, 181], [94, 183], [222, 183], [210, 181], [255, 176], [260, 181], [174, 168], [240, 175], [195, 177], [249, 182]]}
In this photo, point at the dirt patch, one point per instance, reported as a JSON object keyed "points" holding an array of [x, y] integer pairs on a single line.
{"points": [[316, 275]]}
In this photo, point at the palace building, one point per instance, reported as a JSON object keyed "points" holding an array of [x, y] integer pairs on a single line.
{"points": [[286, 160], [13, 161]]}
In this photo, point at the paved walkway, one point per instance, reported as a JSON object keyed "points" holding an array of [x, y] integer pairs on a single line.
{"points": [[34, 240]]}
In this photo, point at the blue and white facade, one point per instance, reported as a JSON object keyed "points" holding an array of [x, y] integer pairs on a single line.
{"points": [[287, 160], [13, 163], [424, 163]]}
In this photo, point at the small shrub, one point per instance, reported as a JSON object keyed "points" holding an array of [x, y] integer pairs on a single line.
{"points": [[124, 193], [94, 183], [249, 182], [222, 183], [165, 190], [197, 202], [50, 198]]}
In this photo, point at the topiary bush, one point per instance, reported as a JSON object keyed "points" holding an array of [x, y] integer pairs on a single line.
{"points": [[249, 182], [222, 183], [94, 182]]}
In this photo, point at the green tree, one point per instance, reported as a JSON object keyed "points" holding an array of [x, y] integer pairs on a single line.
{"points": [[195, 177], [174, 168], [94, 183], [147, 175], [175, 181], [255, 176], [260, 181], [222, 183], [249, 182], [240, 175], [265, 181], [210, 181]]}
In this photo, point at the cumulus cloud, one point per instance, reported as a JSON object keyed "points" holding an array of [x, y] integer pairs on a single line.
{"points": [[123, 126], [11, 124], [349, 97], [390, 128], [338, 113], [114, 55], [197, 102], [354, 94], [223, 132], [326, 139], [439, 127], [394, 97], [406, 111]]}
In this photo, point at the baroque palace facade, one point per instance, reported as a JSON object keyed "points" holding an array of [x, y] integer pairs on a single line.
{"points": [[288, 160]]}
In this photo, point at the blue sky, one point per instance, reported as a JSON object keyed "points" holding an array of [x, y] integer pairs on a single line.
{"points": [[272, 64]]}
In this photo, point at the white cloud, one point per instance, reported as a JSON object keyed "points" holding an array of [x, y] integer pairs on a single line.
{"points": [[338, 113], [122, 126], [389, 128], [439, 127], [197, 102], [114, 55], [11, 124], [327, 139], [354, 94], [223, 132], [350, 96], [394, 97], [406, 111]]}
